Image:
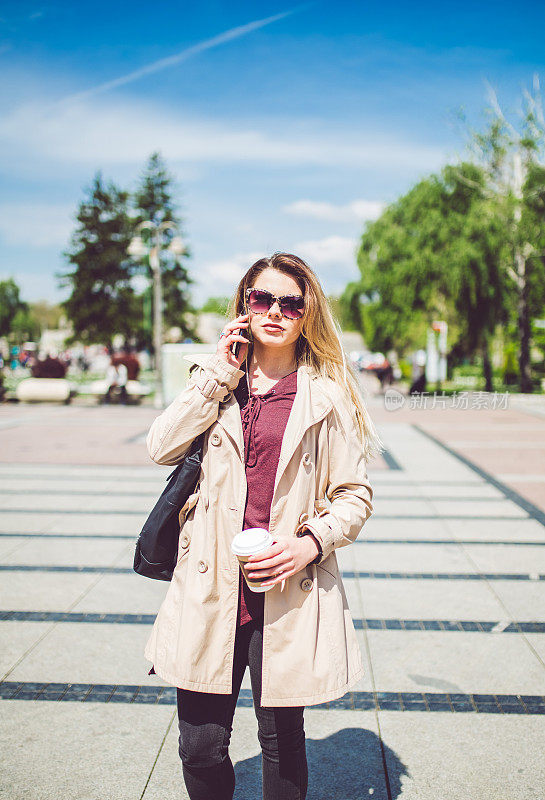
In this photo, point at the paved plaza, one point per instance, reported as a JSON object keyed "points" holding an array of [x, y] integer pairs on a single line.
{"points": [[446, 586]]}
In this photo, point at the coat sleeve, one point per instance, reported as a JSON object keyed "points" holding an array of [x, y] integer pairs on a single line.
{"points": [[193, 411], [348, 486]]}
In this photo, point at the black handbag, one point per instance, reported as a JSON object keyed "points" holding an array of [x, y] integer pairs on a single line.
{"points": [[157, 546]]}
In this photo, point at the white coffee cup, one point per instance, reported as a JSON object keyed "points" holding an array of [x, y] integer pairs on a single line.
{"points": [[250, 542]]}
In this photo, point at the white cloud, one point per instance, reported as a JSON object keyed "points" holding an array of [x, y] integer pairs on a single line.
{"points": [[124, 132], [221, 276], [332, 258], [356, 211], [36, 225], [327, 252]]}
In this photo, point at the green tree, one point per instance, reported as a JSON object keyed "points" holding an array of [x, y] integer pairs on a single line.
{"points": [[25, 326], [435, 253], [512, 156], [48, 315], [153, 201], [10, 305], [215, 305], [101, 302]]}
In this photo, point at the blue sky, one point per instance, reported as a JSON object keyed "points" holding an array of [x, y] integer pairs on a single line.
{"points": [[286, 126]]}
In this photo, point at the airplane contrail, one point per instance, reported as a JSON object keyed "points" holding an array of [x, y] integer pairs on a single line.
{"points": [[183, 55]]}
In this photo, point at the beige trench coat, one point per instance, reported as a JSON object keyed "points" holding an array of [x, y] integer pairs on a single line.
{"points": [[310, 651]]}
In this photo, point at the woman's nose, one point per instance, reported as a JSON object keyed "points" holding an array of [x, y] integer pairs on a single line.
{"points": [[275, 305]]}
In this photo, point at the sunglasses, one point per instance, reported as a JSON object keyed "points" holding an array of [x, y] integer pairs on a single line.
{"points": [[260, 301]]}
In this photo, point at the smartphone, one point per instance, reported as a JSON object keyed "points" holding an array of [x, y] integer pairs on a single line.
{"points": [[236, 346]]}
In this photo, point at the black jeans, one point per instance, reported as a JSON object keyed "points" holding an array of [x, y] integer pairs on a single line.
{"points": [[205, 723]]}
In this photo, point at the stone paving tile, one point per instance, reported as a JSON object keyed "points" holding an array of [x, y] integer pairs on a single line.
{"points": [[23, 523], [93, 486], [454, 662], [109, 654], [408, 507], [446, 756], [537, 640], [44, 591], [522, 601], [468, 509], [448, 528], [69, 472], [84, 751], [91, 523], [100, 502], [520, 530], [10, 545], [410, 599], [411, 558], [69, 551], [466, 490], [16, 639], [507, 558], [377, 528], [126, 594]]}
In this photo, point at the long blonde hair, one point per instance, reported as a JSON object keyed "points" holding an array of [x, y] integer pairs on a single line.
{"points": [[319, 345]]}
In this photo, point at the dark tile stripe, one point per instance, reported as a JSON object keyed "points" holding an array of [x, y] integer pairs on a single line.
{"points": [[391, 461], [46, 535], [392, 701], [63, 512], [516, 498], [461, 626], [448, 576], [466, 517], [117, 512], [57, 476], [491, 542], [87, 492], [429, 497], [63, 568]]}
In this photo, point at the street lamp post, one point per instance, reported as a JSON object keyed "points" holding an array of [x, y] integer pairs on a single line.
{"points": [[139, 249]]}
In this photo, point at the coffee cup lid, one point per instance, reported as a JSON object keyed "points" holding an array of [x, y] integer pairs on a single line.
{"points": [[250, 541]]}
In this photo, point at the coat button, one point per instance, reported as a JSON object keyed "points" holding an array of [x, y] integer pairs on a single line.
{"points": [[202, 566], [184, 541], [306, 458], [215, 439], [303, 517], [306, 585]]}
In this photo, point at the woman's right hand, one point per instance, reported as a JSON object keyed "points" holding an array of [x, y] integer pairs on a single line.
{"points": [[232, 335]]}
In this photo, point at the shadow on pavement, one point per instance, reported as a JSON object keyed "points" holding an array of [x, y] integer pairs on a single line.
{"points": [[344, 766]]}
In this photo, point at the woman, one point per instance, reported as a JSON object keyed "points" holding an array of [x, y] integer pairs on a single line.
{"points": [[285, 429]]}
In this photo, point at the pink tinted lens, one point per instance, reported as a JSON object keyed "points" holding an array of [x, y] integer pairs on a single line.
{"points": [[293, 307], [260, 301]]}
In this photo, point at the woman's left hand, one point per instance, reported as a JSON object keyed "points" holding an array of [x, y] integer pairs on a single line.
{"points": [[284, 558]]}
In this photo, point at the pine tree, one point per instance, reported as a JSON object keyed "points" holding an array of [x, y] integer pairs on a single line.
{"points": [[102, 302], [153, 201]]}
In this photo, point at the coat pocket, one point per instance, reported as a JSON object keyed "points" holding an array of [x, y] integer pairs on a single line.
{"points": [[188, 506]]}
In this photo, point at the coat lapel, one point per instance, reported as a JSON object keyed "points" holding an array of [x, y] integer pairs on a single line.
{"points": [[310, 405]]}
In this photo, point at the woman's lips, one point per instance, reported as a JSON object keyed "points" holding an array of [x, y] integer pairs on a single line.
{"points": [[273, 327]]}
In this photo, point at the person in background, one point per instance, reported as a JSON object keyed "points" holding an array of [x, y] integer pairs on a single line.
{"points": [[116, 379]]}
